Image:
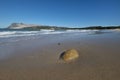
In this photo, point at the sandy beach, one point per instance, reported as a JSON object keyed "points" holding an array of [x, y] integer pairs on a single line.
{"points": [[38, 58]]}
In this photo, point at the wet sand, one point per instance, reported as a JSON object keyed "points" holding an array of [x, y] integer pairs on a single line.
{"points": [[38, 59]]}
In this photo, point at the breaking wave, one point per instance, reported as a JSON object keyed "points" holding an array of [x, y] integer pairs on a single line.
{"points": [[4, 34]]}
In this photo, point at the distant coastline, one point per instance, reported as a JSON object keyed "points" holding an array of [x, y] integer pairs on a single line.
{"points": [[23, 26]]}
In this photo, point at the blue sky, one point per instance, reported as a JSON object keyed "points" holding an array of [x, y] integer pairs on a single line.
{"points": [[71, 13]]}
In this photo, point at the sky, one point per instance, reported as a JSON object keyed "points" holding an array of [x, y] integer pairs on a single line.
{"points": [[66, 13]]}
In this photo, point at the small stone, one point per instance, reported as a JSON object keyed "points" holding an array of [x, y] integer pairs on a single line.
{"points": [[69, 55], [59, 43]]}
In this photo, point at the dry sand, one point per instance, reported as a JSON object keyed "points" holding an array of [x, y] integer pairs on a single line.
{"points": [[38, 59]]}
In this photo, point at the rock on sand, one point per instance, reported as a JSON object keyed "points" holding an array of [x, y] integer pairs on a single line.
{"points": [[69, 55]]}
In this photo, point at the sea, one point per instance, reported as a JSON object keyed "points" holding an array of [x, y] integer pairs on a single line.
{"points": [[11, 35]]}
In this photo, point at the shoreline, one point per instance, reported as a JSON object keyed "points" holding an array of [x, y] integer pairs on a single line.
{"points": [[39, 58]]}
